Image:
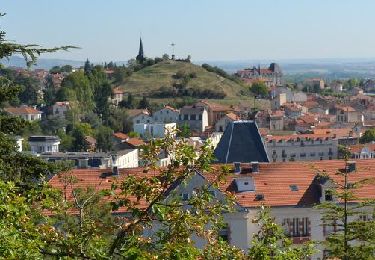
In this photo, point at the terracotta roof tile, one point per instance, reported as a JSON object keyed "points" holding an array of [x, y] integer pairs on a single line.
{"points": [[135, 141], [22, 110], [121, 136], [273, 181]]}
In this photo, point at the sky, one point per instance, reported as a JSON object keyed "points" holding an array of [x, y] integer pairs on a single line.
{"points": [[213, 30]]}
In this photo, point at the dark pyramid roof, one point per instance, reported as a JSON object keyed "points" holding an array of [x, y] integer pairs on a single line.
{"points": [[140, 56], [241, 142]]}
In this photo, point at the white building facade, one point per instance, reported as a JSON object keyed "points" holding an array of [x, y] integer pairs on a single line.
{"points": [[304, 147], [155, 130], [42, 144]]}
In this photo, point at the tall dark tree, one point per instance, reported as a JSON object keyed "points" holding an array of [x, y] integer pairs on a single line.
{"points": [[143, 104], [88, 67]]}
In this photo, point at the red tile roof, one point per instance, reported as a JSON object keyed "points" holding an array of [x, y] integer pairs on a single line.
{"points": [[135, 112], [339, 132], [358, 148], [121, 136], [22, 110], [232, 116], [135, 141], [273, 181], [294, 137]]}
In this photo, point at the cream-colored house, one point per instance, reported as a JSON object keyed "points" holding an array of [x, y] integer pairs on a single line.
{"points": [[301, 147], [27, 113]]}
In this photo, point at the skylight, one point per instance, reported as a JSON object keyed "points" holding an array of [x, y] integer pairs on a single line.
{"points": [[293, 187]]}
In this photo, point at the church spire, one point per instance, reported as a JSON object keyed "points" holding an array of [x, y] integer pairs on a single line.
{"points": [[140, 57]]}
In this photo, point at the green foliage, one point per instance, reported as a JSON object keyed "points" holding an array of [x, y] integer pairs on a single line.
{"points": [[119, 120], [343, 152], [353, 237], [351, 83], [104, 138], [368, 136], [271, 242], [259, 89], [184, 131], [221, 72], [76, 87], [133, 134]]}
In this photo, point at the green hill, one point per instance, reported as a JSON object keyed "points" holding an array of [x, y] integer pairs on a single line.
{"points": [[149, 80]]}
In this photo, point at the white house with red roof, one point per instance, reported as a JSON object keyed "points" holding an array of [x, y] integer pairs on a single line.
{"points": [[27, 113]]}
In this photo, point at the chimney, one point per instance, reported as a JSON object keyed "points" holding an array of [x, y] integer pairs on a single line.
{"points": [[255, 167], [351, 166], [115, 171], [237, 167]]}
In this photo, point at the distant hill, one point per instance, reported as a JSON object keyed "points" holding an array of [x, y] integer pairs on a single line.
{"points": [[47, 64], [150, 79]]}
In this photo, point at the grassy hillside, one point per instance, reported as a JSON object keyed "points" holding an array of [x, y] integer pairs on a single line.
{"points": [[150, 79]]}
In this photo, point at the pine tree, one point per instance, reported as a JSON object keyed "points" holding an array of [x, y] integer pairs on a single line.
{"points": [[350, 217], [87, 68], [143, 104]]}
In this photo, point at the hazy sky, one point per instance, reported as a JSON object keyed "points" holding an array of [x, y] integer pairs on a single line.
{"points": [[205, 29]]}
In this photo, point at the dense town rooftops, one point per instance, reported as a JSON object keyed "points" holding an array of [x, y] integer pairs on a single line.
{"points": [[298, 137], [339, 132], [292, 184]]}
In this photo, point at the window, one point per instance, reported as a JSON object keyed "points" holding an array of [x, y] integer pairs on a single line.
{"points": [[185, 196], [312, 154], [302, 155], [138, 121], [224, 233], [200, 117], [193, 117], [297, 227], [328, 195], [186, 117]]}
